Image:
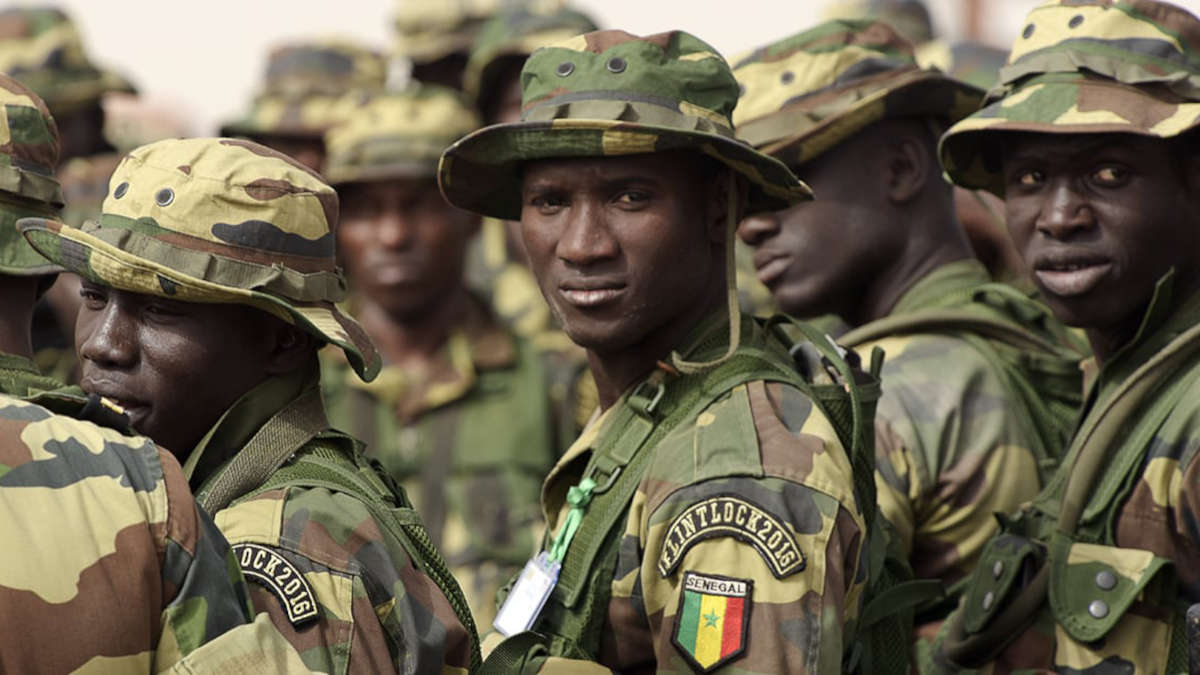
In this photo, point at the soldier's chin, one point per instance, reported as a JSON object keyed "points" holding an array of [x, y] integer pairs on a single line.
{"points": [[599, 337]]}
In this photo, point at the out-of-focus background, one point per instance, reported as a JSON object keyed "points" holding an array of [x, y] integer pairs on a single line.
{"points": [[202, 61]]}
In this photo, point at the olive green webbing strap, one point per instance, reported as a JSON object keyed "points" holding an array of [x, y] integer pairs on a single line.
{"points": [[1089, 454], [285, 433]]}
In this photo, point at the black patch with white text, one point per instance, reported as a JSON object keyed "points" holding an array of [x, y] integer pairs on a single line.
{"points": [[281, 577], [737, 517]]}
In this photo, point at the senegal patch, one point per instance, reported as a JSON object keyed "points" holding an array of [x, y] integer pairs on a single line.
{"points": [[281, 577], [713, 619], [732, 516]]}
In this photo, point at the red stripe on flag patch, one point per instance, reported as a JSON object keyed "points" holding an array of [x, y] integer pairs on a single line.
{"points": [[731, 640]]}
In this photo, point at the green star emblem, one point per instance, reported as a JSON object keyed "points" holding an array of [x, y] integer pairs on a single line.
{"points": [[710, 619]]}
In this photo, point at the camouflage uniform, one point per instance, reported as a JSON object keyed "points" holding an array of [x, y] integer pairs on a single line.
{"points": [[756, 455], [954, 444], [471, 439], [1095, 574], [336, 579]]}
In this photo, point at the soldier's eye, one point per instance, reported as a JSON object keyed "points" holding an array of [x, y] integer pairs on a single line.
{"points": [[1030, 178], [1110, 175], [93, 299], [547, 203], [633, 198]]}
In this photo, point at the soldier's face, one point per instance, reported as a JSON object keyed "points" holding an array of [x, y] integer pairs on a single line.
{"points": [[174, 366], [402, 244], [1099, 219], [622, 247]]}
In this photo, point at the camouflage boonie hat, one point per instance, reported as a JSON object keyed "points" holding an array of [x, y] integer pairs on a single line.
{"points": [[517, 33], [809, 92], [41, 48], [310, 86], [427, 30], [28, 188], [910, 18], [398, 135], [222, 221], [610, 93], [1085, 67]]}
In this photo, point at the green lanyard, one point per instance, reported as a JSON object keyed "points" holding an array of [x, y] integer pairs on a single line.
{"points": [[578, 498]]}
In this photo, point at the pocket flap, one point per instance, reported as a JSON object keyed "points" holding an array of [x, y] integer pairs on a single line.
{"points": [[1091, 585], [992, 581]]}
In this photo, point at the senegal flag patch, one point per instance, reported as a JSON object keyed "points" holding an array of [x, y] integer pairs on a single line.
{"points": [[713, 619]]}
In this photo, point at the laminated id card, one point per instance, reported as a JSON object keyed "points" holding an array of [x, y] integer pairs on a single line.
{"points": [[524, 603]]}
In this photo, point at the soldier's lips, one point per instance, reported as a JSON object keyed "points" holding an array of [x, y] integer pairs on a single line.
{"points": [[770, 266], [588, 294], [1071, 278]]}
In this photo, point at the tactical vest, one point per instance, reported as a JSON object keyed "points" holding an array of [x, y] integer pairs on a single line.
{"points": [[287, 452], [1061, 552], [571, 622]]}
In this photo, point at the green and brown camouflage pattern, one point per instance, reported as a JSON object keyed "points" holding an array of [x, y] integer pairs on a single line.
{"points": [[1085, 67], [611, 93], [41, 47], [28, 155], [517, 33], [398, 135], [217, 220], [766, 444], [427, 30], [112, 567], [809, 92], [377, 612], [470, 441], [310, 86], [910, 18]]}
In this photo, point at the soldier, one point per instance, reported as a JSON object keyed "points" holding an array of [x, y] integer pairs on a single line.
{"points": [[706, 517], [307, 88], [209, 285], [880, 247], [461, 414], [1091, 141], [105, 542]]}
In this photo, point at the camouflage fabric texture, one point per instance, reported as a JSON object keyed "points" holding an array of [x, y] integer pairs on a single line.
{"points": [[42, 48], [268, 242], [310, 86], [427, 30], [611, 93], [470, 442], [809, 92], [398, 135], [28, 157], [85, 186], [1086, 67], [517, 33]]}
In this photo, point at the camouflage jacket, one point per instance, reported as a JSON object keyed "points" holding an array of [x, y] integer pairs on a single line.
{"points": [[20, 377], [338, 590], [773, 590], [469, 442], [1118, 585], [108, 548]]}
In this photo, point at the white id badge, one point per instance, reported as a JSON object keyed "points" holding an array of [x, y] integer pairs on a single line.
{"points": [[528, 595]]}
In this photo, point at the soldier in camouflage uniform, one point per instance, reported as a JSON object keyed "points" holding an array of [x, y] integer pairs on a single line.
{"points": [[845, 105], [461, 414], [307, 88], [1091, 141], [209, 285], [105, 543], [706, 518]]}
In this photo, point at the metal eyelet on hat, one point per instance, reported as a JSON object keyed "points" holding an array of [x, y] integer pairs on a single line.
{"points": [[787, 77], [616, 65], [164, 197], [564, 69], [1028, 32], [1075, 21], [121, 190]]}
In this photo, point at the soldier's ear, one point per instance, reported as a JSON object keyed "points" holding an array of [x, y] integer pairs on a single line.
{"points": [[718, 213], [290, 347], [908, 169]]}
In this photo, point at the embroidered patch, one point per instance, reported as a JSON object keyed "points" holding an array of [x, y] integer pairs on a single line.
{"points": [[281, 577], [713, 619], [732, 516]]}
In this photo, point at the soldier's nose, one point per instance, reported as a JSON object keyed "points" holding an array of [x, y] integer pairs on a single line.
{"points": [[106, 338], [1064, 212], [755, 229]]}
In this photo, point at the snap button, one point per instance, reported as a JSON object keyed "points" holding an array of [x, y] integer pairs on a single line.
{"points": [[988, 599], [1098, 609], [1075, 21], [1106, 580], [164, 196], [564, 69], [1028, 32], [121, 190], [616, 65], [787, 77], [997, 569]]}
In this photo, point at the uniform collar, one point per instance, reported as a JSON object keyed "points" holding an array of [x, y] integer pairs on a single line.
{"points": [[945, 285], [19, 376]]}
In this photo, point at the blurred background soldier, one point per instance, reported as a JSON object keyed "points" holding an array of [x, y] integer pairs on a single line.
{"points": [[307, 88], [461, 414]]}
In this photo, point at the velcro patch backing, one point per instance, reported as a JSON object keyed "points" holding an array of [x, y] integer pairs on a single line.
{"points": [[732, 516], [281, 577]]}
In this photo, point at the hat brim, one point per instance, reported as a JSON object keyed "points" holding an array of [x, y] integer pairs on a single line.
{"points": [[103, 263], [1076, 104], [480, 172], [921, 93]]}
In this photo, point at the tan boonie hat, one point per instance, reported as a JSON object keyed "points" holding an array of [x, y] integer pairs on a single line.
{"points": [[1085, 67], [807, 93], [398, 135], [516, 33], [222, 221], [427, 30]]}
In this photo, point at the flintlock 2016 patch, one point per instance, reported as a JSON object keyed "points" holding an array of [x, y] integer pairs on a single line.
{"points": [[281, 577], [732, 516], [713, 619]]}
